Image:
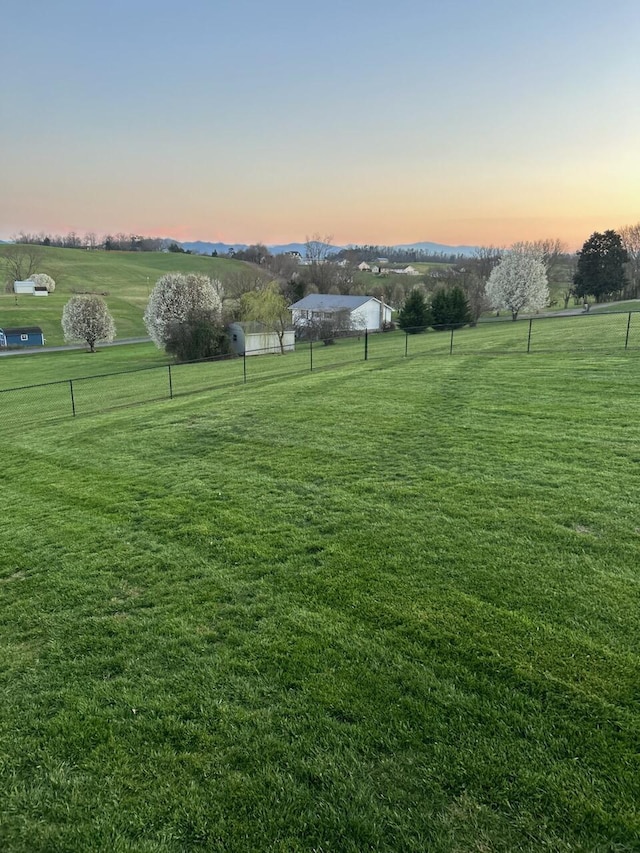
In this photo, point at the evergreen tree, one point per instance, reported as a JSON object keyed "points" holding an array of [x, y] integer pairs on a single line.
{"points": [[450, 308], [415, 315], [600, 271]]}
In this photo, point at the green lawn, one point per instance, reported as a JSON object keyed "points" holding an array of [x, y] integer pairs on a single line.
{"points": [[391, 607], [107, 379], [629, 305], [127, 278]]}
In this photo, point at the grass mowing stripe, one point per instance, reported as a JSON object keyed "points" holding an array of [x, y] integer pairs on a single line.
{"points": [[370, 609]]}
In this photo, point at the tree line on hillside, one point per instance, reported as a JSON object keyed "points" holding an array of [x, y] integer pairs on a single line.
{"points": [[396, 255], [109, 242]]}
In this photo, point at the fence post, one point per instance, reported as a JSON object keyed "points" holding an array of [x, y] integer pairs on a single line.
{"points": [[451, 342], [170, 383], [626, 340], [244, 366], [406, 343], [311, 356], [366, 344], [529, 335], [73, 402]]}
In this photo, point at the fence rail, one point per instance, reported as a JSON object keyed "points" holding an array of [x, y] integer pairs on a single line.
{"points": [[608, 332]]}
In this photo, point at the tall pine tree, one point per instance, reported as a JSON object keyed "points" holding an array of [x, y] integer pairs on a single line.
{"points": [[415, 315], [600, 271], [450, 308]]}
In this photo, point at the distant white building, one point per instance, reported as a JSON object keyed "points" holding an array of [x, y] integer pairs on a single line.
{"points": [[27, 286], [404, 271], [364, 267], [364, 312]]}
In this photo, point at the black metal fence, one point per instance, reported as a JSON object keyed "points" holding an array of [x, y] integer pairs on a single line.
{"points": [[611, 332]]}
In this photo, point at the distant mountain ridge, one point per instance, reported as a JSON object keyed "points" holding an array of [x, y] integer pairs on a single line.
{"points": [[204, 247]]}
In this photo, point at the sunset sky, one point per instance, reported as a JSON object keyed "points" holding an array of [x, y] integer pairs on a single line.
{"points": [[459, 122]]}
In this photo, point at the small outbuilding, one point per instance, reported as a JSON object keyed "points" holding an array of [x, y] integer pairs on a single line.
{"points": [[27, 286], [257, 339], [22, 336]]}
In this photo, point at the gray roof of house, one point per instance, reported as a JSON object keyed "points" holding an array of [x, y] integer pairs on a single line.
{"points": [[328, 302]]}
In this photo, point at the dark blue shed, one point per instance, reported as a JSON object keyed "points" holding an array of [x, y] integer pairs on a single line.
{"points": [[22, 336]]}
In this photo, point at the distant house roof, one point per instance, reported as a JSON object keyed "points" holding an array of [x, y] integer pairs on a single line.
{"points": [[21, 330], [329, 302]]}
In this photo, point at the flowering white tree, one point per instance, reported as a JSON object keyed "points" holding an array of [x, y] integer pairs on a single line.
{"points": [[41, 279], [519, 281], [175, 298], [87, 318]]}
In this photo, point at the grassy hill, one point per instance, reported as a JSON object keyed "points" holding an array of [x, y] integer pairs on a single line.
{"points": [[127, 278], [389, 607]]}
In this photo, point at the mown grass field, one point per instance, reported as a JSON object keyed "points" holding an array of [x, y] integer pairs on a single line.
{"points": [[127, 277], [582, 333], [388, 607]]}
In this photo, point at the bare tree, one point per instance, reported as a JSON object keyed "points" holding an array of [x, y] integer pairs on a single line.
{"points": [[284, 266], [236, 284], [318, 248], [72, 241], [484, 259], [257, 253], [20, 262], [553, 253], [321, 271], [568, 291], [630, 235]]}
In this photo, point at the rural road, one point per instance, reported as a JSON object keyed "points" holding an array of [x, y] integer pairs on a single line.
{"points": [[30, 350], [569, 312]]}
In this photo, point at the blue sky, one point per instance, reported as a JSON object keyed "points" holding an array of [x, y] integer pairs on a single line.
{"points": [[463, 122]]}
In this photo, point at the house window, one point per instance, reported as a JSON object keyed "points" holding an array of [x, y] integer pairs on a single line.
{"points": [[24, 337]]}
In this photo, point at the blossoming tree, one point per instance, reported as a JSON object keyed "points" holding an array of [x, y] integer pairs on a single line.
{"points": [[519, 281], [177, 297], [87, 318]]}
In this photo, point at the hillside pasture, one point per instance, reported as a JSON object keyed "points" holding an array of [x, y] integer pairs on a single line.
{"points": [[387, 607], [126, 277]]}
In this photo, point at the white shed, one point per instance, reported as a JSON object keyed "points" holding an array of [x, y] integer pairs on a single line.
{"points": [[257, 339], [27, 286]]}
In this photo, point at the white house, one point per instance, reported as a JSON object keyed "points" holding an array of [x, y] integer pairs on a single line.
{"points": [[257, 339], [364, 267], [364, 312]]}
